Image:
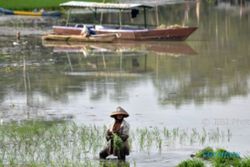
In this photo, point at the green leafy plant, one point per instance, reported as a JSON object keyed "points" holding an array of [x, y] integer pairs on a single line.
{"points": [[191, 163], [117, 142], [206, 153], [245, 162], [223, 157]]}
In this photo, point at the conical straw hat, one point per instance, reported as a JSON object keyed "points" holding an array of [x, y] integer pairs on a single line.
{"points": [[119, 111]]}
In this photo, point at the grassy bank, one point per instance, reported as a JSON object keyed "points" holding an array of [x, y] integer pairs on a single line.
{"points": [[38, 4]]}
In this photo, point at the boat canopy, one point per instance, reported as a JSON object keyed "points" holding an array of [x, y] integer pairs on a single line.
{"points": [[120, 6]]}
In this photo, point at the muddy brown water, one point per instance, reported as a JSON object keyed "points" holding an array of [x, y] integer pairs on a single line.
{"points": [[200, 83]]}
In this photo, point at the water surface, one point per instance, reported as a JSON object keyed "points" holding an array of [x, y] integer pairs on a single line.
{"points": [[200, 83]]}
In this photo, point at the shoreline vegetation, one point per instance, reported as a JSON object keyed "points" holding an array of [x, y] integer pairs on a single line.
{"points": [[216, 158], [64, 143], [30, 5]]}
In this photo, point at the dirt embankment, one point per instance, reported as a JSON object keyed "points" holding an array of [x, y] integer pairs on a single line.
{"points": [[26, 25]]}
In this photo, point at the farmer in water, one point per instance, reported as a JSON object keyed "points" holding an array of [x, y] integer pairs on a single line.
{"points": [[117, 136]]}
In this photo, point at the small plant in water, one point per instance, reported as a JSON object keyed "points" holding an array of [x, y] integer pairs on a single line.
{"points": [[245, 162], [191, 163], [224, 158], [206, 153]]}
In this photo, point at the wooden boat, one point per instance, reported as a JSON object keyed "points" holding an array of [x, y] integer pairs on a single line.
{"points": [[126, 33], [31, 13], [66, 30], [169, 33], [80, 38]]}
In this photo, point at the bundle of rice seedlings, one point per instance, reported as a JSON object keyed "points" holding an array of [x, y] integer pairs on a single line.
{"points": [[117, 142]]}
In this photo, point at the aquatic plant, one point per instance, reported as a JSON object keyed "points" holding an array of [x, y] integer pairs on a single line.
{"points": [[191, 163], [219, 157], [245, 162], [1, 163], [166, 132], [223, 157], [206, 153], [114, 164], [53, 143], [142, 136]]}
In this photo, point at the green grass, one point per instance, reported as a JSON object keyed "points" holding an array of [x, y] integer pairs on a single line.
{"points": [[30, 128], [222, 158], [245, 162], [205, 153], [191, 163], [36, 4]]}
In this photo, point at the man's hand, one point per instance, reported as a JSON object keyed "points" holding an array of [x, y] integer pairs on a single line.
{"points": [[109, 135], [124, 137]]}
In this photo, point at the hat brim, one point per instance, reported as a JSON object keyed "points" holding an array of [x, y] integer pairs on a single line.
{"points": [[125, 115]]}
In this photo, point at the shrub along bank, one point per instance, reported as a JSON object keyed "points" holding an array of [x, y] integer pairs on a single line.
{"points": [[37, 4]]}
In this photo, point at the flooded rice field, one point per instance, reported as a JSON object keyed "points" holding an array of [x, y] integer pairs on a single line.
{"points": [[181, 96]]}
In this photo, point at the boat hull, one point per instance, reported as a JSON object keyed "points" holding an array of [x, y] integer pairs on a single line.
{"points": [[80, 38], [65, 30], [179, 33]]}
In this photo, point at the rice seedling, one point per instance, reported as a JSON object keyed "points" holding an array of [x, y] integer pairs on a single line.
{"points": [[175, 132], [51, 143], [203, 136], [114, 164], [229, 135], [1, 163], [150, 139], [159, 144], [166, 132], [134, 163], [142, 135], [117, 142]]}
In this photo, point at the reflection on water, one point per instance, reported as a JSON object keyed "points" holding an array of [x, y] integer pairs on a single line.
{"points": [[168, 83], [136, 47], [214, 69]]}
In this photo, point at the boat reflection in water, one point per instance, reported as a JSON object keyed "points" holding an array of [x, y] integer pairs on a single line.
{"points": [[116, 60], [175, 49]]}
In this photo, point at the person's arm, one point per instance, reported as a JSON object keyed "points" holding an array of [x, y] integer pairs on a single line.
{"points": [[124, 135], [109, 135]]}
